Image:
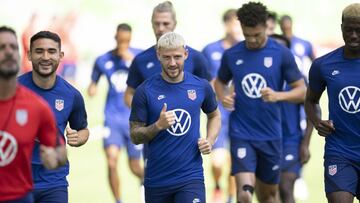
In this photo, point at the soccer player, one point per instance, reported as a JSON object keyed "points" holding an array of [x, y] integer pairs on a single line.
{"points": [[301, 48], [173, 171], [68, 106], [146, 64], [213, 53], [295, 141], [114, 65], [24, 117], [258, 67], [338, 72]]}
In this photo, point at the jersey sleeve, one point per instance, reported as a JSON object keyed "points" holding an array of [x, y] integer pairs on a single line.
{"points": [[78, 116], [201, 66], [210, 104], [207, 54], [289, 69], [316, 81], [48, 134], [134, 77], [139, 110], [96, 72], [224, 73]]}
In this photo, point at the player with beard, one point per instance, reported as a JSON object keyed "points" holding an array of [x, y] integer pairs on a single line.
{"points": [[24, 117], [67, 104], [171, 129]]}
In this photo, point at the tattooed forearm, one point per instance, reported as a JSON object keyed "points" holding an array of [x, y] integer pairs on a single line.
{"points": [[140, 133]]}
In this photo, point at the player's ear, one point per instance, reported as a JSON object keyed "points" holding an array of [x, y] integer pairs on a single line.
{"points": [[62, 54], [29, 55], [158, 54], [186, 53]]}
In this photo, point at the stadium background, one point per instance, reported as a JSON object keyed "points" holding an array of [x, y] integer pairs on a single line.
{"points": [[199, 21]]}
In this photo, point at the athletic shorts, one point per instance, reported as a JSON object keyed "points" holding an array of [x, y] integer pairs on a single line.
{"points": [[341, 174], [260, 157], [192, 191], [118, 135], [291, 159], [53, 195]]}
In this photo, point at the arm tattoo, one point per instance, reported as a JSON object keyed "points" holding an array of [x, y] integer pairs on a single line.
{"points": [[140, 133]]}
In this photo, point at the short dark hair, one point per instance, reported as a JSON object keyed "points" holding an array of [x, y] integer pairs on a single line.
{"points": [[229, 14], [47, 35], [7, 29], [282, 38], [123, 27], [252, 14], [272, 15]]}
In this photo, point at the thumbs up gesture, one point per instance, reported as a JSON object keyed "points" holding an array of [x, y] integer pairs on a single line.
{"points": [[72, 137], [166, 118]]}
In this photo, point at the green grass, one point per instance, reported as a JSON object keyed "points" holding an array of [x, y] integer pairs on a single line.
{"points": [[88, 173]]}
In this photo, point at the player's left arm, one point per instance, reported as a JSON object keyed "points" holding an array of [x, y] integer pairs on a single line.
{"points": [[77, 134], [295, 95], [213, 127]]}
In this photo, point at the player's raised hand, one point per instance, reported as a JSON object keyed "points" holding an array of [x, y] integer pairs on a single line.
{"points": [[72, 137], [166, 118], [205, 146], [268, 95], [229, 102], [325, 127]]}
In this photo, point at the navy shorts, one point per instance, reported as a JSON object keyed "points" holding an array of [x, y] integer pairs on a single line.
{"points": [[118, 135], [28, 198], [291, 159], [342, 175], [260, 157], [192, 191], [51, 195]]}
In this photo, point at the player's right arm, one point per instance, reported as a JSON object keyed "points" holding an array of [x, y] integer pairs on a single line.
{"points": [[133, 81], [95, 76], [316, 87], [140, 133]]}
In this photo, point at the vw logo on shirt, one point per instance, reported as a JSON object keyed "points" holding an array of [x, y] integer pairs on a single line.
{"points": [[349, 99], [182, 123], [252, 84]]}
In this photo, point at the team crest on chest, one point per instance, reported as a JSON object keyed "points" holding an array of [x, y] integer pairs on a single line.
{"points": [[191, 94], [21, 116], [268, 61], [59, 104]]}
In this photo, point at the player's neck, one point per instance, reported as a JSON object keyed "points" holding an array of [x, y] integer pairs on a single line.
{"points": [[229, 41], [44, 82], [173, 80], [7, 88], [348, 54]]}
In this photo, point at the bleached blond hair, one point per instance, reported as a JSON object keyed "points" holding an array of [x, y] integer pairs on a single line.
{"points": [[351, 11], [170, 40]]}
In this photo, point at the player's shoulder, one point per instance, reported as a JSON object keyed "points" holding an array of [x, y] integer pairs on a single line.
{"points": [[105, 56], [65, 86], [195, 79], [135, 51], [213, 45], [331, 57], [146, 54], [24, 94], [24, 78]]}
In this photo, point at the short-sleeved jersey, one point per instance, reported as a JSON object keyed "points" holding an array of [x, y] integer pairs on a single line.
{"points": [[341, 78], [23, 118], [303, 52], [68, 106], [147, 64], [116, 71], [213, 53], [173, 156], [251, 71]]}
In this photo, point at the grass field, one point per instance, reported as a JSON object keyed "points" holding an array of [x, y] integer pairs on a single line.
{"points": [[88, 175]]}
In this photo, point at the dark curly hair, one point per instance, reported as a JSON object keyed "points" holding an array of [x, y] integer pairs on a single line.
{"points": [[46, 35], [252, 14]]}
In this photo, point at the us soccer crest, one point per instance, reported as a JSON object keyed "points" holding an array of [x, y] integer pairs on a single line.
{"points": [[191, 94], [332, 170], [268, 61], [21, 116], [241, 153], [59, 104]]}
